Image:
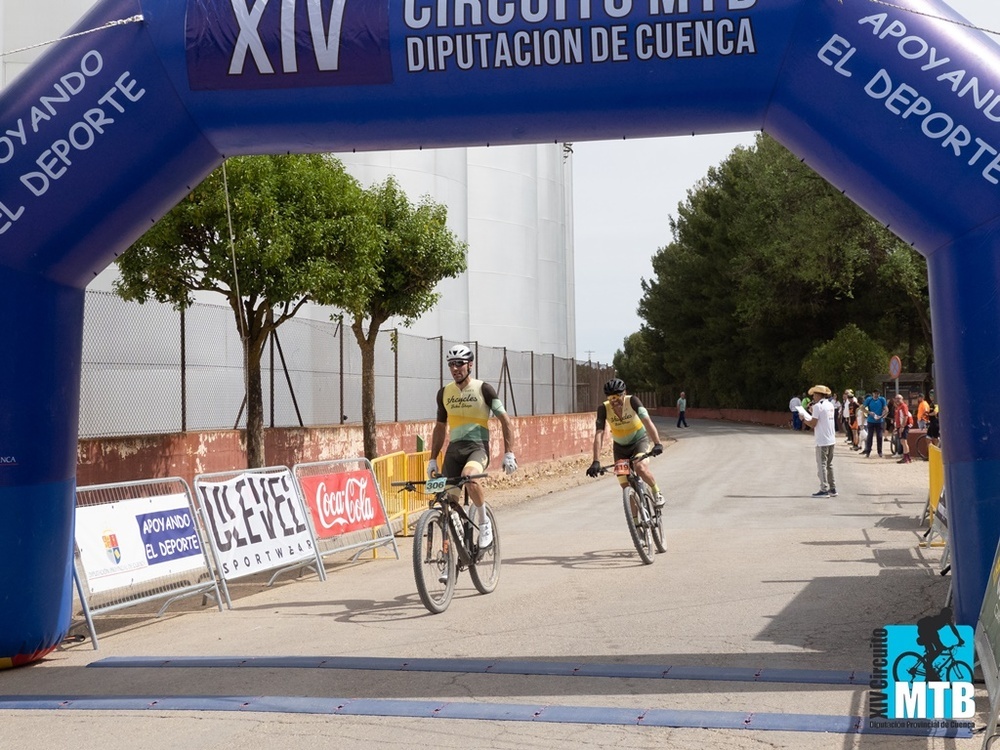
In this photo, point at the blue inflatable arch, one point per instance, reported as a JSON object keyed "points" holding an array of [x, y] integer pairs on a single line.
{"points": [[107, 131]]}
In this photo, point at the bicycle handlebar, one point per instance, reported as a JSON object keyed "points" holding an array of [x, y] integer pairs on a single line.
{"points": [[411, 484], [633, 460]]}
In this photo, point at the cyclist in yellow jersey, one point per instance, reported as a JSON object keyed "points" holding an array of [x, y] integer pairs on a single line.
{"points": [[464, 407], [632, 431]]}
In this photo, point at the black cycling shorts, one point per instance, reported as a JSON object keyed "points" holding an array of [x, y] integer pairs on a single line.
{"points": [[642, 445]]}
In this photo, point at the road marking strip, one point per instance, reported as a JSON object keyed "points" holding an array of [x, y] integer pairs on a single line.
{"points": [[652, 717], [508, 667]]}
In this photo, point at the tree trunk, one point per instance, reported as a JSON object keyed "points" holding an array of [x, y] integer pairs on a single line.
{"points": [[367, 346], [255, 407]]}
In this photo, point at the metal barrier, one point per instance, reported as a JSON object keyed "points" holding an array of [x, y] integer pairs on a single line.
{"points": [[345, 506], [400, 504], [138, 542], [935, 473]]}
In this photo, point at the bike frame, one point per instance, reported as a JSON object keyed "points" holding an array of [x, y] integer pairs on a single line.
{"points": [[461, 537]]}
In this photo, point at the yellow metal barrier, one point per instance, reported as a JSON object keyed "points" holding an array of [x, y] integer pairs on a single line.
{"points": [[400, 467], [936, 479]]}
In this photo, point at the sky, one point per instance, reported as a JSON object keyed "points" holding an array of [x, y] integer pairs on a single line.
{"points": [[624, 193]]}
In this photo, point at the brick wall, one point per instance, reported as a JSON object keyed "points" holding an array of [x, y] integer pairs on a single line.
{"points": [[185, 455]]}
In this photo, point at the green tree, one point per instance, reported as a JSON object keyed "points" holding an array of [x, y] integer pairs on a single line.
{"points": [[635, 363], [766, 260], [300, 228], [850, 359], [415, 251]]}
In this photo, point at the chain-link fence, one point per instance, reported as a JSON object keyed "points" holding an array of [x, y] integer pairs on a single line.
{"points": [[150, 369]]}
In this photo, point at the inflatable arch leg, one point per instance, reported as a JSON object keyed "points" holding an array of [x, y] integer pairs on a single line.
{"points": [[40, 386]]}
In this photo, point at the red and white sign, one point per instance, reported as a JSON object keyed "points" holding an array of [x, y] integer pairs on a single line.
{"points": [[895, 367], [342, 501]]}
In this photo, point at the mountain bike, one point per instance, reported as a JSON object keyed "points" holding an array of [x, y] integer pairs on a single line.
{"points": [[912, 667], [446, 542], [644, 519]]}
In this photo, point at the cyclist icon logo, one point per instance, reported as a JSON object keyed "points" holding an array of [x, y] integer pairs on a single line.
{"points": [[933, 655]]}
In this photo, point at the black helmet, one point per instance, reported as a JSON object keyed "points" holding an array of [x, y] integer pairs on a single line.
{"points": [[615, 385]]}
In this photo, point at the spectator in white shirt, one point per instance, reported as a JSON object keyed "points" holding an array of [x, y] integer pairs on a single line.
{"points": [[821, 420]]}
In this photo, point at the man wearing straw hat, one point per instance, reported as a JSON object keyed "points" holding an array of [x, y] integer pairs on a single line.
{"points": [[821, 420]]}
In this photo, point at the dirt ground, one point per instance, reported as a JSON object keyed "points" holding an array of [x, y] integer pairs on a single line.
{"points": [[535, 480]]}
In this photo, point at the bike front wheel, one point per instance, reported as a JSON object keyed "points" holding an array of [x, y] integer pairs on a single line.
{"points": [[959, 671], [435, 566], [639, 524], [485, 570]]}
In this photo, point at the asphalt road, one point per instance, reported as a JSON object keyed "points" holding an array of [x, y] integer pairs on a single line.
{"points": [[580, 645]]}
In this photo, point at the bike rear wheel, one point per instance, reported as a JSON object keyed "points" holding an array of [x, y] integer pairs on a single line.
{"points": [[639, 525], [894, 446], [434, 561], [485, 571], [909, 667]]}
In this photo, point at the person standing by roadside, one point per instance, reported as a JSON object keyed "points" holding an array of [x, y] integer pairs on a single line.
{"points": [[850, 413], [822, 421], [682, 406], [903, 422], [876, 408], [933, 422], [793, 406], [922, 408]]}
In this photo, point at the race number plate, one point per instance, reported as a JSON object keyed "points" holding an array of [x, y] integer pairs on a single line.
{"points": [[622, 467], [436, 484]]}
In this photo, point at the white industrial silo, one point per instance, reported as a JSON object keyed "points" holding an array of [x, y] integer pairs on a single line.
{"points": [[513, 206]]}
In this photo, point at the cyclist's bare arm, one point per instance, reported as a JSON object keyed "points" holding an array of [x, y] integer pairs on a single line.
{"points": [[647, 422], [437, 438], [602, 418], [598, 444], [508, 432]]}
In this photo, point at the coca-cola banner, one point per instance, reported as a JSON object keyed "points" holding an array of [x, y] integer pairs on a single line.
{"points": [[342, 501]]}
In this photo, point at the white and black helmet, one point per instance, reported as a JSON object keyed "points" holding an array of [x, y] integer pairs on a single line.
{"points": [[459, 353]]}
